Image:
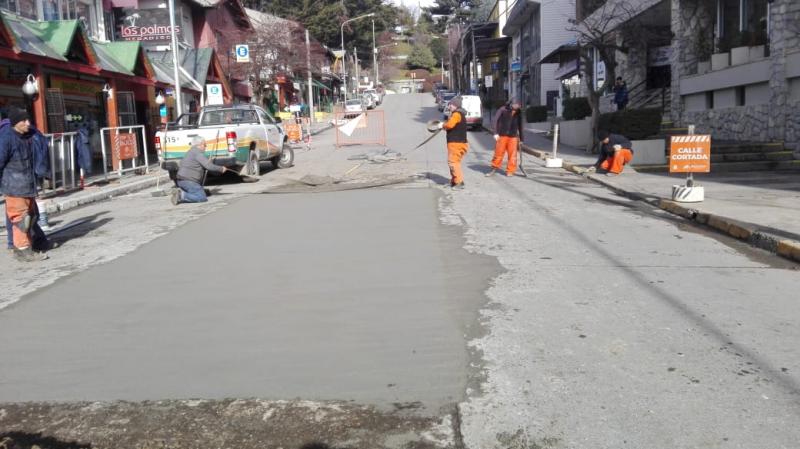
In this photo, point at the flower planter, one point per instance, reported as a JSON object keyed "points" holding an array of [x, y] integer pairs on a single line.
{"points": [[756, 53], [740, 55], [703, 67], [720, 61]]}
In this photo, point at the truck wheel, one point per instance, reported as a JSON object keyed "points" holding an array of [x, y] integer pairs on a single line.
{"points": [[253, 167], [285, 159]]}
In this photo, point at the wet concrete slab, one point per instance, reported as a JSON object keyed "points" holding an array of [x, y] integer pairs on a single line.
{"points": [[359, 296]]}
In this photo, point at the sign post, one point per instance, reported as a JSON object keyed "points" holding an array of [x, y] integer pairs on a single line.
{"points": [[214, 94], [242, 53], [689, 154]]}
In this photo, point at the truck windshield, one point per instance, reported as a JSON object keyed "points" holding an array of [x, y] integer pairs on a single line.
{"points": [[228, 117]]}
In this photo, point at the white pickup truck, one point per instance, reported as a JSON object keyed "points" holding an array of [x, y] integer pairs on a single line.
{"points": [[238, 137]]}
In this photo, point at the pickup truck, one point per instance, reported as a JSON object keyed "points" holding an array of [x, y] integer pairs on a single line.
{"points": [[238, 137]]}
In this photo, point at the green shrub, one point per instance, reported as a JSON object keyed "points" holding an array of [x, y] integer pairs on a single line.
{"points": [[576, 108], [635, 124], [534, 114]]}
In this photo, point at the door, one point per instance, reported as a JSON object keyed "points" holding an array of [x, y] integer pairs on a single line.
{"points": [[274, 138]]}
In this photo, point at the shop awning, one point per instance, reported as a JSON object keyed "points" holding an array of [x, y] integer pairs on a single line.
{"points": [[320, 85], [489, 47], [195, 61], [567, 50], [32, 38]]}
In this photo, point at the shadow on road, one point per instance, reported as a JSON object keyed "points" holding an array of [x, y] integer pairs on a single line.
{"points": [[24, 440], [78, 228]]}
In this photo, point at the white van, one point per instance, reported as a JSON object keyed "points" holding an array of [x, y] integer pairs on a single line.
{"points": [[472, 104]]}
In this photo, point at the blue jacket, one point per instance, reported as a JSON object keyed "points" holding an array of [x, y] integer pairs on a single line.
{"points": [[84, 150], [17, 155]]}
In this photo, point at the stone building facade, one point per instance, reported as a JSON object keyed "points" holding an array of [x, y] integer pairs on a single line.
{"points": [[746, 91]]}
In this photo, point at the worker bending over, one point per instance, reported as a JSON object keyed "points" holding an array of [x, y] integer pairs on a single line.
{"points": [[191, 173], [615, 152]]}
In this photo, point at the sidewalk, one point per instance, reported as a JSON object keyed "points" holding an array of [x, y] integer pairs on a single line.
{"points": [[761, 208]]}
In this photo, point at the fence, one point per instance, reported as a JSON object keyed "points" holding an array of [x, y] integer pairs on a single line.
{"points": [[366, 128], [125, 142]]}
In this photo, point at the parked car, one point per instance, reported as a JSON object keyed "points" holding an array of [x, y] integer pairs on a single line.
{"points": [[238, 137], [444, 99], [376, 96], [369, 100], [353, 107], [471, 104]]}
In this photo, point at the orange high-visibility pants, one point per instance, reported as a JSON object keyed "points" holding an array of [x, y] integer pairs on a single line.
{"points": [[16, 209], [456, 152], [506, 145], [615, 163]]}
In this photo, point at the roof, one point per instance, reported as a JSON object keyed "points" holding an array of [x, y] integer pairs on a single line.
{"points": [[121, 56], [195, 61], [567, 48], [520, 13], [258, 18]]}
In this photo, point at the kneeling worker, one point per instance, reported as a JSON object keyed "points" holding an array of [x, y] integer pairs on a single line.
{"points": [[190, 174], [457, 146], [615, 152]]}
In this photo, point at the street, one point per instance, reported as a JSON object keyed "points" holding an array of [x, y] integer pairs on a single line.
{"points": [[527, 312]]}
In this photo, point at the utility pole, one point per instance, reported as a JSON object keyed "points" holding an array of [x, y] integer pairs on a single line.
{"points": [[175, 58], [442, 71], [358, 81], [374, 54], [474, 62], [310, 86]]}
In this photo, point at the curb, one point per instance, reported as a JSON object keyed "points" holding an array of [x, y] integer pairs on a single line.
{"points": [[749, 233], [55, 205]]}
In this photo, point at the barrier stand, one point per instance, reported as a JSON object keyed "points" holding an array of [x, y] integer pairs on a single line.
{"points": [[126, 147], [689, 154], [555, 161]]}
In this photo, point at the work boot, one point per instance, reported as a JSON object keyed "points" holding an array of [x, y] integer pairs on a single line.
{"points": [[175, 196], [27, 255], [491, 172], [591, 169], [509, 174], [459, 186]]}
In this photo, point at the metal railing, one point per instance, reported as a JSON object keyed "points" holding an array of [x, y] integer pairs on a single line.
{"points": [[114, 135], [64, 173]]}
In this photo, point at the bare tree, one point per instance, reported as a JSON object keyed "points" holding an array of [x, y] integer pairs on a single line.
{"points": [[277, 46], [599, 38]]}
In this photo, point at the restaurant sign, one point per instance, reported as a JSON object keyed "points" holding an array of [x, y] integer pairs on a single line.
{"points": [[72, 86], [147, 25]]}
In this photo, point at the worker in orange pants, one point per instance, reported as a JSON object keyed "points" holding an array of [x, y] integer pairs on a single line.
{"points": [[615, 152], [508, 135], [457, 145]]}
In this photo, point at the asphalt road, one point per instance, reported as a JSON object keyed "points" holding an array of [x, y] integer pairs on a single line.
{"points": [[554, 313]]}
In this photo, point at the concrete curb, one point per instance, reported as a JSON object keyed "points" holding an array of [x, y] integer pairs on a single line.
{"points": [[55, 205], [790, 249]]}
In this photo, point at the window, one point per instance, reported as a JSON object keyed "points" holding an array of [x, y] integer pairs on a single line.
{"points": [[85, 13], [741, 23], [710, 99], [741, 99], [24, 8]]}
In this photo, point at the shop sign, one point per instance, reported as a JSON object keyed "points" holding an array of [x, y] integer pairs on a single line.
{"points": [[71, 86], [125, 146], [690, 154], [516, 65], [488, 81], [495, 66], [214, 94], [147, 25], [242, 53], [659, 56]]}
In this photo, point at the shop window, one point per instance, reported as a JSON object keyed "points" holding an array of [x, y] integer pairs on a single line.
{"points": [[24, 8]]}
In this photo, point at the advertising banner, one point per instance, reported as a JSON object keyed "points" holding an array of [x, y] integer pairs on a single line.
{"points": [[150, 25]]}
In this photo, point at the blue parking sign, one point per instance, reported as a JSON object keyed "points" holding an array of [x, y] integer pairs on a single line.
{"points": [[242, 53]]}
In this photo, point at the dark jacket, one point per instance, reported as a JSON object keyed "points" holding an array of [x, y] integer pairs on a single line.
{"points": [[621, 93], [17, 177], [607, 149], [41, 154], [458, 133], [508, 124]]}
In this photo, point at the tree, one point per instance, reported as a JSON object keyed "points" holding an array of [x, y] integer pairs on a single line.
{"points": [[421, 58], [599, 37], [439, 49], [452, 11]]}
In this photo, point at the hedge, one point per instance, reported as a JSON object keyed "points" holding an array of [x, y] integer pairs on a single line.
{"points": [[576, 108], [635, 124], [534, 114]]}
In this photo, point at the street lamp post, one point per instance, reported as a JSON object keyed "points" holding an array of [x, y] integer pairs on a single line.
{"points": [[394, 44], [344, 72]]}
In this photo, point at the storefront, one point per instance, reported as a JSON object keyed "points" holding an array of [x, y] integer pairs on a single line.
{"points": [[12, 77]]}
